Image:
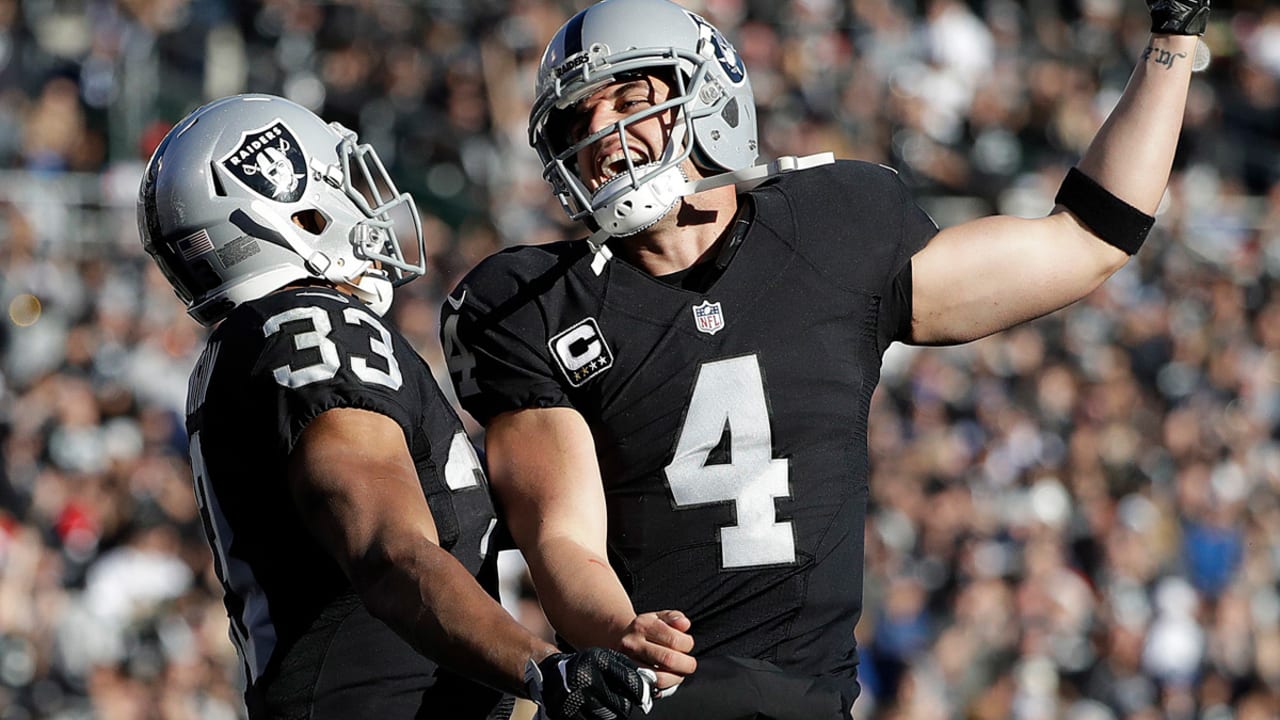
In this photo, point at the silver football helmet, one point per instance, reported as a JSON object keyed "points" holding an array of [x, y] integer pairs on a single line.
{"points": [[716, 113], [253, 192]]}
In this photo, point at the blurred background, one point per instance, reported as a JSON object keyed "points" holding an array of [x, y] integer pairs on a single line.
{"points": [[1076, 519]]}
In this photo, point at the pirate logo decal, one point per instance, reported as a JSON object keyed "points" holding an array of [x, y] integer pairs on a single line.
{"points": [[723, 50], [270, 162]]}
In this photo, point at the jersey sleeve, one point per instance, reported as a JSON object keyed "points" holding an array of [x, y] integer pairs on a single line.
{"points": [[313, 351], [493, 332], [914, 230]]}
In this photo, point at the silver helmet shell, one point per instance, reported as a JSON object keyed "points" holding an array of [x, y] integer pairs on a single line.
{"points": [[715, 124], [253, 192]]}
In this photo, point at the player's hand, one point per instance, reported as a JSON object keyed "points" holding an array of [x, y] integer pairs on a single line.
{"points": [[595, 684], [1178, 17], [661, 641]]}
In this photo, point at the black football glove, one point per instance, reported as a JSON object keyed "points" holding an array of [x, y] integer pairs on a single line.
{"points": [[1178, 17], [595, 684]]}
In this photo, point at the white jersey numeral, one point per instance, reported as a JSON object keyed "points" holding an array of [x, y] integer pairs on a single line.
{"points": [[729, 402], [459, 359], [381, 346], [318, 338], [462, 470]]}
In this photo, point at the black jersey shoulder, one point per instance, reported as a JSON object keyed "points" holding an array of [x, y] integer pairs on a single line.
{"points": [[298, 352], [495, 325], [518, 274], [855, 221]]}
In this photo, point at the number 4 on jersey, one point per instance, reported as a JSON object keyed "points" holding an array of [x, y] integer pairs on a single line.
{"points": [[458, 358], [729, 401]]}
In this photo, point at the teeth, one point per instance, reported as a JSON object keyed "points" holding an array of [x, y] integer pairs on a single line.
{"points": [[615, 163]]}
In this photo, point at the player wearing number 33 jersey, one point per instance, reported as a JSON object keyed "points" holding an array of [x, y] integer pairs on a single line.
{"points": [[345, 507], [729, 421], [272, 366]]}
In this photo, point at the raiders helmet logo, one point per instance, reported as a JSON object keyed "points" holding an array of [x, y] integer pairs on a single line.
{"points": [[270, 162], [728, 58]]}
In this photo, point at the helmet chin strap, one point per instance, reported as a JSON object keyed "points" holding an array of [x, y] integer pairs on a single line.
{"points": [[637, 209], [374, 290], [748, 178], [626, 210]]}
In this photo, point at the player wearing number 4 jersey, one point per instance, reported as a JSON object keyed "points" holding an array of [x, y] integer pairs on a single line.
{"points": [[678, 405], [725, 418], [346, 509]]}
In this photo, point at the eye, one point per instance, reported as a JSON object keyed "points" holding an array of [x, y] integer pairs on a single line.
{"points": [[578, 126]]}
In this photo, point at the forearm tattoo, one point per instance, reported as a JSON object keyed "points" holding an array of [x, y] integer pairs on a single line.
{"points": [[1161, 57]]}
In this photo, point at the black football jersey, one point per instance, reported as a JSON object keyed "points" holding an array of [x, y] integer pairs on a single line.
{"points": [[309, 646], [730, 425]]}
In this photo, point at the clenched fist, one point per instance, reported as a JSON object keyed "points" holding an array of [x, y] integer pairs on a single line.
{"points": [[1178, 17]]}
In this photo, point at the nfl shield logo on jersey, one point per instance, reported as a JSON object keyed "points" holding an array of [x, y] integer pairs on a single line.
{"points": [[708, 317], [269, 161]]}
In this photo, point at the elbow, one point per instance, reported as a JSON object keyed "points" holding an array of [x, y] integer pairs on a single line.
{"points": [[387, 581], [1110, 257], [1108, 260], [1106, 256], [374, 576]]}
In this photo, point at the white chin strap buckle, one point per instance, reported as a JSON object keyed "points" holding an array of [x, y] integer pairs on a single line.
{"points": [[625, 210], [374, 290]]}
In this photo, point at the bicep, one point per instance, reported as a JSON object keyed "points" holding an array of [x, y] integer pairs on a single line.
{"points": [[987, 275], [542, 466], [355, 485]]}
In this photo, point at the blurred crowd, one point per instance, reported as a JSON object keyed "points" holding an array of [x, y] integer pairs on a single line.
{"points": [[1078, 519]]}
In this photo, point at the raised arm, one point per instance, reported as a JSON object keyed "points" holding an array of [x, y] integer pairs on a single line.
{"points": [[543, 468], [355, 484], [990, 274]]}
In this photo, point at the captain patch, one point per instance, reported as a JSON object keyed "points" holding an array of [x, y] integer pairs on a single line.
{"points": [[581, 352]]}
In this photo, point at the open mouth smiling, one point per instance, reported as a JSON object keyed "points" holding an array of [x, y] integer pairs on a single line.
{"points": [[614, 164]]}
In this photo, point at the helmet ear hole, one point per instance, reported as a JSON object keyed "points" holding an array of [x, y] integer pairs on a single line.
{"points": [[312, 220]]}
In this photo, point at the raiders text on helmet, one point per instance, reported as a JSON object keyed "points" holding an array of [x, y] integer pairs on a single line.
{"points": [[253, 192], [715, 125]]}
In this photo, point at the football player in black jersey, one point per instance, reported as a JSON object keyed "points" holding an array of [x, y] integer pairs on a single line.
{"points": [[679, 403], [346, 509]]}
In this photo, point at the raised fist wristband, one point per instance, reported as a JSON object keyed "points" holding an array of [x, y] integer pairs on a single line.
{"points": [[1179, 17], [1115, 221]]}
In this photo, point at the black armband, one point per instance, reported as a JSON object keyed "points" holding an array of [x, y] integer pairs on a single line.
{"points": [[1115, 221]]}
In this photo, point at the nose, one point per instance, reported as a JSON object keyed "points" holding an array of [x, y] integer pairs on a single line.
{"points": [[599, 116]]}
